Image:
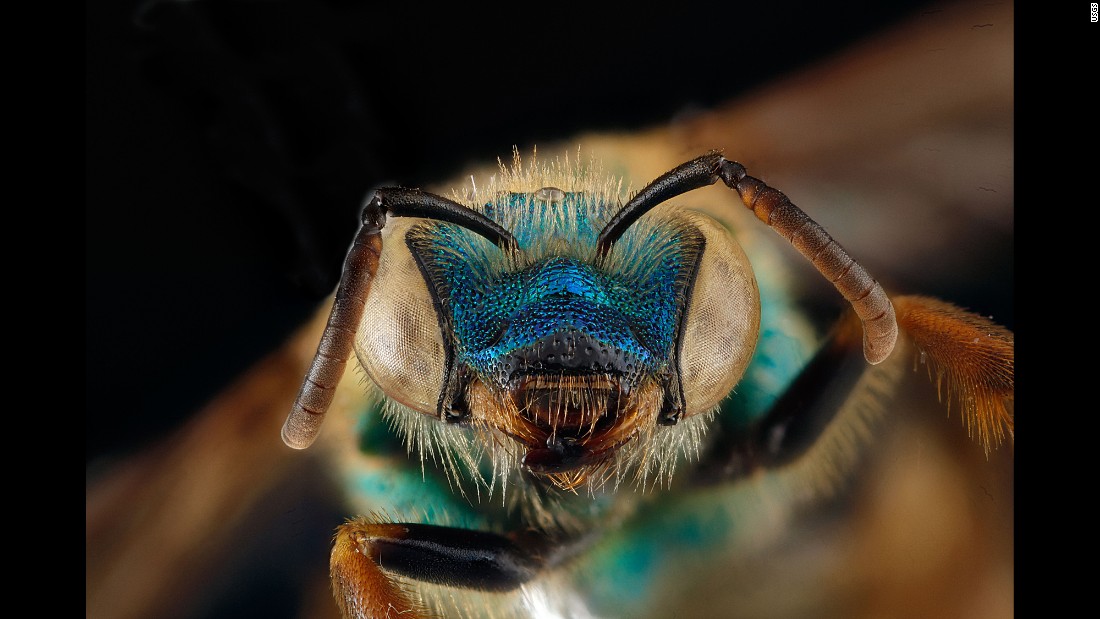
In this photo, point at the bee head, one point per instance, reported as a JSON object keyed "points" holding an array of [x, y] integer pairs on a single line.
{"points": [[570, 364]]}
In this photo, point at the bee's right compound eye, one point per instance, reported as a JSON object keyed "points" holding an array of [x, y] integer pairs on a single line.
{"points": [[399, 342]]}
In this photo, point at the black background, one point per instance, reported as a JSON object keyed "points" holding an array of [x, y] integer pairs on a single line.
{"points": [[230, 144]]}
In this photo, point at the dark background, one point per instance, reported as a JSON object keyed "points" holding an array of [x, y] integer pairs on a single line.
{"points": [[230, 145]]}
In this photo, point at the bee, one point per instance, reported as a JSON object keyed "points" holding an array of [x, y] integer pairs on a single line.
{"points": [[571, 367]]}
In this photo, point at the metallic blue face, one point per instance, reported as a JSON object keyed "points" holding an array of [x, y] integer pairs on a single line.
{"points": [[562, 313]]}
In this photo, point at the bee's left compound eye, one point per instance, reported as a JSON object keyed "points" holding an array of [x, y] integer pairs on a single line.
{"points": [[722, 324], [399, 342]]}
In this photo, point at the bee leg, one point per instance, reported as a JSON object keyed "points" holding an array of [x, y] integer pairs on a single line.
{"points": [[970, 359], [366, 554], [823, 415]]}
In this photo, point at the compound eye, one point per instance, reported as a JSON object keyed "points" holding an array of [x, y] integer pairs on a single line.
{"points": [[723, 320], [399, 342]]}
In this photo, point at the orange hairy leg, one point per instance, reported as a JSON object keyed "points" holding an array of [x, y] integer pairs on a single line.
{"points": [[359, 585], [971, 360]]}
